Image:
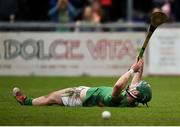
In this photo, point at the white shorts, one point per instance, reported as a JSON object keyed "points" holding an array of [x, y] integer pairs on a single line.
{"points": [[71, 97]]}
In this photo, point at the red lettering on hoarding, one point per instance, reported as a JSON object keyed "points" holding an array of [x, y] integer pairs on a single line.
{"points": [[111, 49], [69, 48]]}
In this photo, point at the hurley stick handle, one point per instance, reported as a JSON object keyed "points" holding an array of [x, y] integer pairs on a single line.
{"points": [[148, 36]]}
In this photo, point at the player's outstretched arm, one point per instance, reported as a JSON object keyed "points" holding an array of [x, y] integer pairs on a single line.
{"points": [[138, 76], [122, 81]]}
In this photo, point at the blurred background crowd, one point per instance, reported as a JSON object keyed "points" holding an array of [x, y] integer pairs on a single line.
{"points": [[96, 11]]}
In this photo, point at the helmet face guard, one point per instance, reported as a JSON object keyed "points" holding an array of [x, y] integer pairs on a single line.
{"points": [[145, 92]]}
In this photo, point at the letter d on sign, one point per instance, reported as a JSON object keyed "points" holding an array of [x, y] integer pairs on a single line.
{"points": [[12, 49]]}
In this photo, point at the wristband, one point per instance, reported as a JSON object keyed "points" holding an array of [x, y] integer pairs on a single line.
{"points": [[131, 71]]}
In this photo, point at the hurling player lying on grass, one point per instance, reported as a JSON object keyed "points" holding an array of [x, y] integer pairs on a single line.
{"points": [[121, 95]]}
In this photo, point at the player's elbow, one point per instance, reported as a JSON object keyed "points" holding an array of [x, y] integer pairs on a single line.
{"points": [[117, 90], [119, 86]]}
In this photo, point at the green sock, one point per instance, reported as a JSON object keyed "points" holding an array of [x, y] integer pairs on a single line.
{"points": [[28, 101]]}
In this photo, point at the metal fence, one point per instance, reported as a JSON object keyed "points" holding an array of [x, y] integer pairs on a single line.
{"points": [[78, 26]]}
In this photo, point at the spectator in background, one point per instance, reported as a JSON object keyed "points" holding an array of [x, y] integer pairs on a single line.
{"points": [[60, 12], [87, 14], [72, 12], [89, 18], [93, 13], [97, 12], [164, 6]]}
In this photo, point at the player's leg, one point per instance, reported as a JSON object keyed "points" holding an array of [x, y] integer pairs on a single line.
{"points": [[52, 98]]}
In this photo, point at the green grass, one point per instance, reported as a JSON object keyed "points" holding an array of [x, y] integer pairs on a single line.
{"points": [[164, 108]]}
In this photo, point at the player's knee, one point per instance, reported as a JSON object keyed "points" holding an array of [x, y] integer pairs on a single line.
{"points": [[52, 98], [49, 99]]}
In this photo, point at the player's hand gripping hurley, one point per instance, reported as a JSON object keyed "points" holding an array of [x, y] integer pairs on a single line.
{"points": [[157, 19]]}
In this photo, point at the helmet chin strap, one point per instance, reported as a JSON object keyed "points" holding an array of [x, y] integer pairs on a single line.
{"points": [[131, 94]]}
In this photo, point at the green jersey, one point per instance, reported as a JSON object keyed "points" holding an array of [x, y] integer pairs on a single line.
{"points": [[102, 96]]}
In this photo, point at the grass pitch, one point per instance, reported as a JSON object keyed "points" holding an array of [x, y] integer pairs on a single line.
{"points": [[164, 108]]}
